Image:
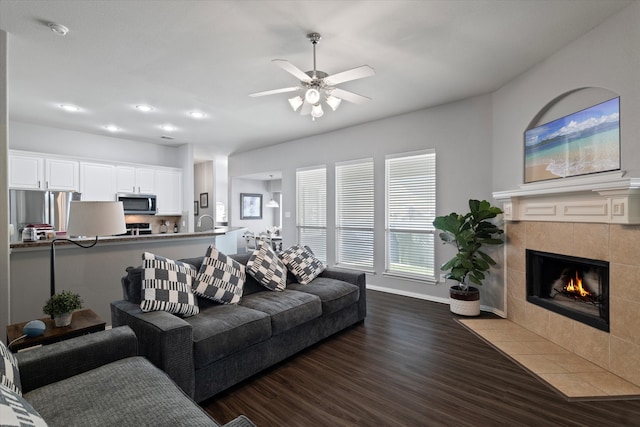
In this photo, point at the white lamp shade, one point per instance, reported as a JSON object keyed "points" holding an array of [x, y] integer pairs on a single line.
{"points": [[296, 102], [312, 96], [96, 219], [333, 102], [272, 204], [316, 111]]}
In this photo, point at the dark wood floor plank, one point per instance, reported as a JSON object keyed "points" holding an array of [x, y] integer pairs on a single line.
{"points": [[408, 364]]}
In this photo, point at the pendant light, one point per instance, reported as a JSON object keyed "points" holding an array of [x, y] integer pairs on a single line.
{"points": [[272, 203]]}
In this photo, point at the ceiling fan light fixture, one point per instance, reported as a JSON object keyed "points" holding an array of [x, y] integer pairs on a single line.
{"points": [[333, 102], [312, 96], [296, 102], [316, 111]]}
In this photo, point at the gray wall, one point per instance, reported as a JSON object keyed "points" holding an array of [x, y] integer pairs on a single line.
{"points": [[4, 193], [461, 134], [242, 185], [44, 139], [608, 57]]}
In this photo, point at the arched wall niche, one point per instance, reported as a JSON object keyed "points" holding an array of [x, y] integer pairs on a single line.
{"points": [[570, 102]]}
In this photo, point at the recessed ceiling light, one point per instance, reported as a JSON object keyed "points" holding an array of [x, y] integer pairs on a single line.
{"points": [[144, 108], [197, 114], [60, 30], [112, 128], [69, 107], [168, 128]]}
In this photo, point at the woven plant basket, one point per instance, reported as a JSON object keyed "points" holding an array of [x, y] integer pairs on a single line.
{"points": [[464, 303]]}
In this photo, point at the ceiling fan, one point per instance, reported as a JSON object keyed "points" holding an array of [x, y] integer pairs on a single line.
{"points": [[318, 85]]}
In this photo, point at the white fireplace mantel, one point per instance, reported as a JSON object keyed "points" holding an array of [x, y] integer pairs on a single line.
{"points": [[603, 198]]}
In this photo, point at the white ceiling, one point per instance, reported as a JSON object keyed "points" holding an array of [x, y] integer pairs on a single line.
{"points": [[209, 55]]}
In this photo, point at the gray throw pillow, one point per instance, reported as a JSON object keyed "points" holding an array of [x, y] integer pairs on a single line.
{"points": [[220, 278], [16, 411], [302, 263], [265, 266], [166, 286], [9, 374]]}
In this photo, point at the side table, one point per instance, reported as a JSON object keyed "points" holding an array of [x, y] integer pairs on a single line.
{"points": [[83, 321]]}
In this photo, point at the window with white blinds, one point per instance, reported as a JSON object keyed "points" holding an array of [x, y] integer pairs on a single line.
{"points": [[410, 211], [354, 213], [311, 205]]}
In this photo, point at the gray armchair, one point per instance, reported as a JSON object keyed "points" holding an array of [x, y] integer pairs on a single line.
{"points": [[99, 380]]}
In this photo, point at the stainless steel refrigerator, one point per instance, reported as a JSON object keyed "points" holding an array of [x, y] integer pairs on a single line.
{"points": [[39, 207]]}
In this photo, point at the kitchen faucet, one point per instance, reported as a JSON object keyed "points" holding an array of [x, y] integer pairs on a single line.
{"points": [[213, 221]]}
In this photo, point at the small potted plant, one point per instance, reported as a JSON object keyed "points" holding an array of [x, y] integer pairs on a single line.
{"points": [[60, 306], [469, 233]]}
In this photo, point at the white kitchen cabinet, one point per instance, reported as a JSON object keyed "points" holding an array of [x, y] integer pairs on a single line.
{"points": [[135, 180], [169, 191], [98, 181], [38, 173]]}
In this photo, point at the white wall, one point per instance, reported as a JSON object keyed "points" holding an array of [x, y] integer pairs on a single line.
{"points": [[607, 57], [461, 134], [45, 139]]}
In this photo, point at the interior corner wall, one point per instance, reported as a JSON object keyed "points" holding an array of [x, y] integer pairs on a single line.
{"points": [[5, 305], [461, 134], [252, 186], [607, 57]]}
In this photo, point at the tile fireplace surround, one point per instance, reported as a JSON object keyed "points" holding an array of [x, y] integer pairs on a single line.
{"points": [[596, 218]]}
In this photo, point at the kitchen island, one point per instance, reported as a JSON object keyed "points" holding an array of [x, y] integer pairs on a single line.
{"points": [[95, 272]]}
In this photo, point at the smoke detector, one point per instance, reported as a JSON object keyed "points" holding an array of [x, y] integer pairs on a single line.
{"points": [[60, 30]]}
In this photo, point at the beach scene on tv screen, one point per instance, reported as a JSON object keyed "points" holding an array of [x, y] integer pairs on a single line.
{"points": [[581, 143]]}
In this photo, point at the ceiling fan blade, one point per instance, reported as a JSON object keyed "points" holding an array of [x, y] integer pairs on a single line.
{"points": [[275, 91], [306, 109], [353, 74], [349, 96], [292, 69]]}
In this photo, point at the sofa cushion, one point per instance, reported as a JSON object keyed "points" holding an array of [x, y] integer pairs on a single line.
{"points": [[166, 285], [221, 330], [265, 266], [302, 263], [334, 294], [16, 411], [9, 373], [287, 309], [220, 278], [128, 392]]}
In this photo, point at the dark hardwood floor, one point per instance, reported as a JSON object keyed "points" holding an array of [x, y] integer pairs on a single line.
{"points": [[408, 364]]}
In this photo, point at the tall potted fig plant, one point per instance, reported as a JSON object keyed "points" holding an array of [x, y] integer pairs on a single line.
{"points": [[469, 233]]}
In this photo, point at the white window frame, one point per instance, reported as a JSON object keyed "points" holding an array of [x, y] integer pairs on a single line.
{"points": [[355, 194], [418, 236]]}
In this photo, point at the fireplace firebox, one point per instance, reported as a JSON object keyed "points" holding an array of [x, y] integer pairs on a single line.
{"points": [[574, 287]]}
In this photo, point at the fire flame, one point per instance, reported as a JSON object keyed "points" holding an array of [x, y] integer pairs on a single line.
{"points": [[576, 287]]}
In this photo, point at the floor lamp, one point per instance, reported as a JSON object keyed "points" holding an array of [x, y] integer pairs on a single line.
{"points": [[89, 219]]}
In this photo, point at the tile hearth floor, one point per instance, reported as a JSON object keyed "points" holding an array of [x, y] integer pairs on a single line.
{"points": [[571, 375]]}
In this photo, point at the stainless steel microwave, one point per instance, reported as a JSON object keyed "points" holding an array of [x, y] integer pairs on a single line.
{"points": [[138, 204]]}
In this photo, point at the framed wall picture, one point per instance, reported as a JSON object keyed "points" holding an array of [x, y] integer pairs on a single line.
{"points": [[250, 206], [584, 142], [196, 211], [204, 200]]}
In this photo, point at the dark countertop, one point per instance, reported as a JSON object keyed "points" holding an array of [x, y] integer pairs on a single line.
{"points": [[128, 239]]}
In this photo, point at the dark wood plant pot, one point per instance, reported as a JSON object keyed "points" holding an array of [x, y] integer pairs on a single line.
{"points": [[465, 303]]}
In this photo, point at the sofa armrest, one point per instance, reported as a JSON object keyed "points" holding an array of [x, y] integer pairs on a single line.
{"points": [[64, 359], [354, 277], [163, 338]]}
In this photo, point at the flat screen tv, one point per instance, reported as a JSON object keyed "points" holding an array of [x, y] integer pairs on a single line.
{"points": [[581, 143]]}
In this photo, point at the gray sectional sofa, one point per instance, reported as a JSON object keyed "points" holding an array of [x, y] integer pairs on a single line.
{"points": [[225, 344], [99, 380]]}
